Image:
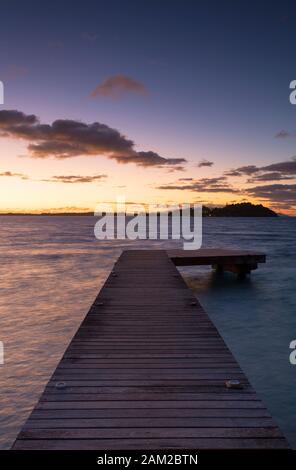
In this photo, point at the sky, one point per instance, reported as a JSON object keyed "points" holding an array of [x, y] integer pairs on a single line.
{"points": [[155, 101]]}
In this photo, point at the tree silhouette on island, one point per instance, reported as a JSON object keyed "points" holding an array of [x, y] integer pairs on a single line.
{"points": [[244, 209]]}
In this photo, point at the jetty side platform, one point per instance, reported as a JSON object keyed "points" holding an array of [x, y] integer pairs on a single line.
{"points": [[241, 262]]}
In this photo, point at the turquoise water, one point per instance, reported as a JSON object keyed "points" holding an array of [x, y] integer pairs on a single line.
{"points": [[52, 268]]}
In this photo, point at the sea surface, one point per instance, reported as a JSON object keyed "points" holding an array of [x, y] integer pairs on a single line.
{"points": [[51, 269]]}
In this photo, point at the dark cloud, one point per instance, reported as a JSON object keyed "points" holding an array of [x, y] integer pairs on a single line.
{"points": [[276, 195], [217, 181], [273, 176], [272, 194], [58, 179], [232, 173], [288, 167], [174, 168], [247, 170], [243, 170], [280, 205], [13, 175], [149, 158], [13, 119], [205, 162], [206, 185], [75, 179], [274, 172], [117, 86], [66, 138], [282, 134], [285, 193]]}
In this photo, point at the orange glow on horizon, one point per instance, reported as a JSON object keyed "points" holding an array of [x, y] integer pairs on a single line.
{"points": [[38, 194]]}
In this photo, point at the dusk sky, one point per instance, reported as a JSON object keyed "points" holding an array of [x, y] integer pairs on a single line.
{"points": [[157, 101]]}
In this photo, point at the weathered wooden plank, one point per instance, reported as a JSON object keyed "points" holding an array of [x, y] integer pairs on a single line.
{"points": [[152, 373], [156, 365], [167, 361], [169, 404], [186, 384], [152, 432], [151, 396], [145, 443], [50, 415], [132, 390], [108, 355], [167, 422], [58, 376]]}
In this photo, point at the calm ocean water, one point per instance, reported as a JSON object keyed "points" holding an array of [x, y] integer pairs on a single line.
{"points": [[52, 268]]}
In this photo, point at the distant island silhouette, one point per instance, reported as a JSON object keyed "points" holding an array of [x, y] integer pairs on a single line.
{"points": [[244, 209]]}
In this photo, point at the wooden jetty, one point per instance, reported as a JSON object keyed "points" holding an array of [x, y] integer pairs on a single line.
{"points": [[147, 369]]}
